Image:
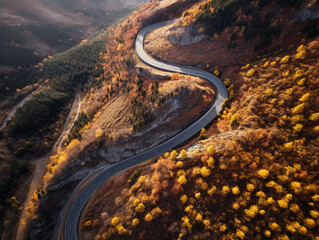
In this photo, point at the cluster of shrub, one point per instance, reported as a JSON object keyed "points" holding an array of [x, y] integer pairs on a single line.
{"points": [[9, 182], [225, 15]]}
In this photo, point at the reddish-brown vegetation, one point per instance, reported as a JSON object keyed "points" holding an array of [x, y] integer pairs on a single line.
{"points": [[259, 181]]}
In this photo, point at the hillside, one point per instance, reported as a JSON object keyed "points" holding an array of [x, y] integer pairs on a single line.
{"points": [[254, 176], [257, 177], [252, 173], [126, 108], [53, 82], [33, 30]]}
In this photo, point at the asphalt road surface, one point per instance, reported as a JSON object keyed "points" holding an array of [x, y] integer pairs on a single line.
{"points": [[73, 215]]}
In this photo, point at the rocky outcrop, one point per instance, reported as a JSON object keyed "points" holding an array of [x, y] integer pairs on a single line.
{"points": [[306, 14], [185, 36]]}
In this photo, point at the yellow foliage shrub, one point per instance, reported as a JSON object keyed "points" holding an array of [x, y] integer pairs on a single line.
{"points": [[260, 194], [211, 149], [181, 172], [140, 207], [314, 117], [199, 217], [204, 186], [301, 82], [121, 230], [206, 222], [296, 186], [298, 109], [273, 63], [266, 64], [279, 188], [148, 217], [315, 198], [302, 230], [250, 73], [298, 128], [270, 184], [285, 74], [290, 91], [236, 206], [197, 195], [245, 67], [98, 133], [234, 119], [182, 180], [195, 171], [227, 82], [290, 228], [262, 212], [285, 59], [166, 155], [225, 190], [88, 223], [263, 173], [216, 73], [298, 74], [212, 190], [250, 187], [135, 222], [252, 211], [136, 201], [173, 155], [270, 200], [223, 228], [235, 190], [301, 48], [183, 198], [314, 214], [210, 162], [205, 172], [267, 233], [316, 129], [269, 92], [240, 234], [274, 226], [183, 153], [115, 221], [179, 164], [283, 203], [296, 119], [301, 55], [309, 222], [288, 147], [305, 97], [188, 208]]}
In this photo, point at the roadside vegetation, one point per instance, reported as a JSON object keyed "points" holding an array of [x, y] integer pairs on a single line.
{"points": [[256, 178]]}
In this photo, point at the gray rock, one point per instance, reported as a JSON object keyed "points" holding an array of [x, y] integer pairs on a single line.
{"points": [[306, 14], [185, 36]]}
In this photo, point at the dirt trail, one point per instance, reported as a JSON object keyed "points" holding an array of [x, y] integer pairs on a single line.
{"points": [[41, 163], [14, 109]]}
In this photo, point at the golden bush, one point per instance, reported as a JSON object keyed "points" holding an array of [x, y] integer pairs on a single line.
{"points": [[148, 217], [263, 173], [182, 180], [115, 221], [135, 222]]}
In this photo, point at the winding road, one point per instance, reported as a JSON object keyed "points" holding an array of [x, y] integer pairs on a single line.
{"points": [[73, 215]]}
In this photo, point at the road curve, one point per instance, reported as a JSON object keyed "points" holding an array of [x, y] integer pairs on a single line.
{"points": [[73, 215]]}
